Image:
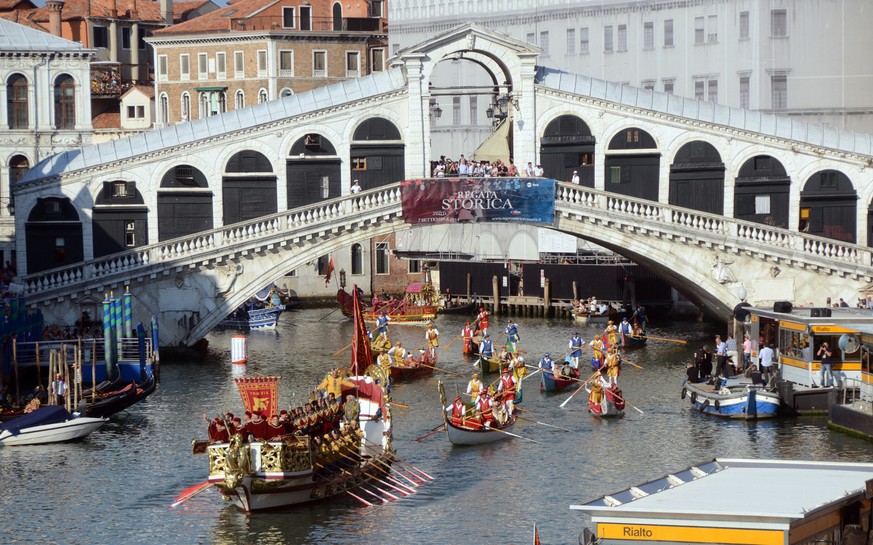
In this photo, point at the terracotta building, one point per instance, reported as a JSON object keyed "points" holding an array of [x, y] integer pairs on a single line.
{"points": [[253, 51]]}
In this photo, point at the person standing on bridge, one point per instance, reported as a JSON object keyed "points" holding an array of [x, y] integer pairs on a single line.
{"points": [[529, 170], [575, 178], [356, 187]]}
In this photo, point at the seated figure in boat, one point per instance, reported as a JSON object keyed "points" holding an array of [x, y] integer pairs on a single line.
{"points": [[475, 422], [397, 354], [381, 343], [567, 371], [350, 409], [417, 360], [504, 355]]}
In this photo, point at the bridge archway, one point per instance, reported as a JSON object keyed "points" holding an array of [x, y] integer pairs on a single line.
{"points": [[377, 153], [119, 220], [248, 187], [761, 191], [185, 201], [567, 145], [697, 178], [828, 206], [313, 171], [632, 165], [54, 234]]}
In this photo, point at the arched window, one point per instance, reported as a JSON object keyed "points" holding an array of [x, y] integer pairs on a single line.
{"points": [[16, 101], [357, 259], [262, 96], [240, 100], [186, 107], [165, 109], [222, 102], [338, 17], [286, 92], [18, 165], [65, 102], [204, 105]]}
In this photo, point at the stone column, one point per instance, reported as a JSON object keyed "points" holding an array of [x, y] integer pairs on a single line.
{"points": [[113, 40], [524, 126], [134, 52], [418, 133]]}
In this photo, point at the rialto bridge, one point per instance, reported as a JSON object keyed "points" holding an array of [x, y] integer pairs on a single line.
{"points": [[723, 203]]}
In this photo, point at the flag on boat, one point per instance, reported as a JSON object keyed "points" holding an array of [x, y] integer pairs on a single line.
{"points": [[259, 394], [329, 271], [362, 357], [536, 539]]}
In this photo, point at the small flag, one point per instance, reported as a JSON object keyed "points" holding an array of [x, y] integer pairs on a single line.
{"points": [[329, 271]]}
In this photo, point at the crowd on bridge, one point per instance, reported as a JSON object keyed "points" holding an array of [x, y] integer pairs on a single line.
{"points": [[464, 168]]}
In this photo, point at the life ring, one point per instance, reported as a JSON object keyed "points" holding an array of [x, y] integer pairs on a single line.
{"points": [[717, 405], [684, 391], [705, 405], [693, 398]]}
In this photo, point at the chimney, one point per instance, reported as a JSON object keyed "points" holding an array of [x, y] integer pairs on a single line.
{"points": [[55, 8], [113, 10], [167, 11]]}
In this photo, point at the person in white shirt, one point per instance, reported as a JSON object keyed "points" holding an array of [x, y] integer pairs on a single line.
{"points": [[529, 170], [765, 361], [575, 178], [356, 187], [538, 171]]}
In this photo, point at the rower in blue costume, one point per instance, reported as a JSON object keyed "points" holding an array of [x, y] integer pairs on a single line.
{"points": [[546, 364], [486, 348], [576, 344], [382, 323], [512, 336]]}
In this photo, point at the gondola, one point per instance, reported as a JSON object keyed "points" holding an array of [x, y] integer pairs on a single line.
{"points": [[551, 383], [468, 309], [633, 341], [115, 402], [611, 405], [251, 318], [464, 436], [413, 369], [490, 365]]}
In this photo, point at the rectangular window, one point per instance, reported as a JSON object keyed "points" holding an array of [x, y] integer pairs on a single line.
{"points": [[184, 67], [571, 41], [375, 8], [668, 33], [319, 64], [648, 85], [762, 204], [531, 38], [353, 64], [382, 258], [744, 92], [129, 233], [221, 65], [712, 91], [287, 17], [119, 189], [622, 37], [456, 110], [305, 17], [778, 23], [668, 86], [583, 41], [377, 60], [544, 42], [615, 175], [607, 39], [712, 36], [744, 25], [699, 89], [648, 35], [162, 67], [125, 38], [143, 34], [474, 109], [359, 163], [101, 36], [239, 66], [202, 66], [131, 112], [286, 63], [414, 266], [779, 92], [262, 63], [699, 33]]}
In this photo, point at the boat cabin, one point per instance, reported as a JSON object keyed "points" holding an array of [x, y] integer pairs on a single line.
{"points": [[748, 502], [797, 335]]}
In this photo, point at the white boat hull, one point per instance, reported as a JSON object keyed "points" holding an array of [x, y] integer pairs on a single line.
{"points": [[461, 436], [62, 432]]}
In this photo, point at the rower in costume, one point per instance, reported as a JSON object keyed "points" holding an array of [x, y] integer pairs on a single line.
{"points": [[512, 336], [626, 331], [486, 347], [432, 338], [482, 318], [483, 405], [507, 387], [467, 335], [613, 366], [576, 344], [456, 411], [546, 363], [474, 386], [611, 333], [382, 323], [397, 354]]}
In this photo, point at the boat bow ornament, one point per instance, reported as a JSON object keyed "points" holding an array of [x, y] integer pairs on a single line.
{"points": [[194, 281]]}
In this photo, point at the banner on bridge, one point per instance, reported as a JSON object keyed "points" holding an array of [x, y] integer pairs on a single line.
{"points": [[478, 200]]}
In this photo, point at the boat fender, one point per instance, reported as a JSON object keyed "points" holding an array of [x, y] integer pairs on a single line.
{"points": [[705, 405], [693, 398], [684, 392], [717, 405]]}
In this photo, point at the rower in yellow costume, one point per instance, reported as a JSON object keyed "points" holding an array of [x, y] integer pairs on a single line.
{"points": [[595, 396], [613, 364], [381, 343], [597, 349], [474, 386], [333, 384], [612, 334]]}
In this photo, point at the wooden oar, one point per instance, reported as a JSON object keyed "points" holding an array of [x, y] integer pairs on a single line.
{"points": [[579, 390], [514, 435], [542, 423], [626, 402], [433, 431], [360, 499], [631, 363], [532, 374], [346, 347], [679, 341], [442, 370], [396, 457], [190, 492], [401, 405]]}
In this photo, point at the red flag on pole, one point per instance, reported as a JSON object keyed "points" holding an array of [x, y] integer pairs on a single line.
{"points": [[259, 394], [329, 271], [362, 357]]}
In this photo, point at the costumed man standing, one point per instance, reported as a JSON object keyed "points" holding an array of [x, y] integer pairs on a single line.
{"points": [[507, 387], [456, 411], [482, 318], [546, 363], [613, 366], [626, 331], [483, 405], [512, 336], [397, 354], [467, 335], [597, 353], [382, 324], [576, 344], [474, 386], [611, 334], [595, 397], [333, 384], [432, 338], [486, 348]]}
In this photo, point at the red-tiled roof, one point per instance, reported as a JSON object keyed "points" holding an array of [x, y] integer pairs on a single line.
{"points": [[147, 10], [107, 120], [147, 90], [182, 9], [12, 4], [21, 17], [219, 19]]}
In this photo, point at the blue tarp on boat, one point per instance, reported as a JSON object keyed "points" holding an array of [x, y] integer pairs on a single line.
{"points": [[53, 414]]}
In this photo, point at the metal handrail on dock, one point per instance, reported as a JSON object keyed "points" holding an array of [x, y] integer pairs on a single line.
{"points": [[861, 394]]}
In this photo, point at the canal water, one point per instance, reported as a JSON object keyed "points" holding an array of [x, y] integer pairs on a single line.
{"points": [[116, 486]]}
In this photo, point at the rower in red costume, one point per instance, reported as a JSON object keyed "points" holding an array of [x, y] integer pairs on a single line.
{"points": [[483, 405], [507, 389], [457, 410], [482, 318], [467, 334]]}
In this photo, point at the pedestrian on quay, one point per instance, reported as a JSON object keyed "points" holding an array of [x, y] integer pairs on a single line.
{"points": [[827, 365]]}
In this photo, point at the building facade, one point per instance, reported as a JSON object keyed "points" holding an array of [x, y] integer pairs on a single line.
{"points": [[806, 59], [46, 109], [258, 50]]}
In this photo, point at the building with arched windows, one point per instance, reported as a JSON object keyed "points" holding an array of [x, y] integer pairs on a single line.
{"points": [[46, 108]]}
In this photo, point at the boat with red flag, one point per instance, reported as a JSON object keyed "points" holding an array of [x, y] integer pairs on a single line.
{"points": [[322, 451]]}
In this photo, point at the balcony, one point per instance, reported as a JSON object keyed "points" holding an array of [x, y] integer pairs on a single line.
{"points": [[107, 81], [313, 24]]}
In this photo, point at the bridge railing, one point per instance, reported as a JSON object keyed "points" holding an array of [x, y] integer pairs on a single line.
{"points": [[762, 236], [220, 239]]}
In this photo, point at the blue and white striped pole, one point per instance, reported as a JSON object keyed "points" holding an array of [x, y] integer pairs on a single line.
{"points": [[119, 329], [128, 313], [107, 334]]}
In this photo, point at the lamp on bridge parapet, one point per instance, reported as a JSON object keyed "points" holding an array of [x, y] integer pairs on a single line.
{"points": [[435, 111]]}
